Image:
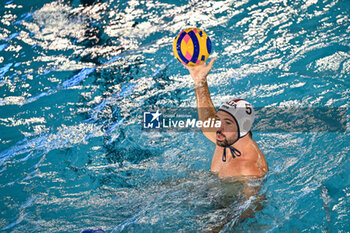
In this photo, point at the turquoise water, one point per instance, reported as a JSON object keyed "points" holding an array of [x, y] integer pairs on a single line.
{"points": [[74, 79]]}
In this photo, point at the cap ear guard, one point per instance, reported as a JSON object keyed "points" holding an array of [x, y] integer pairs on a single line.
{"points": [[242, 112]]}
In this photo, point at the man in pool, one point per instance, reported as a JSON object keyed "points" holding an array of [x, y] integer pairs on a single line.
{"points": [[236, 153]]}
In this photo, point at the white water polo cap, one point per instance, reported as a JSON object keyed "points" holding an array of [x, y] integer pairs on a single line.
{"points": [[242, 112]]}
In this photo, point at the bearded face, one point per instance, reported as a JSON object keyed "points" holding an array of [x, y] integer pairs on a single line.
{"points": [[227, 134]]}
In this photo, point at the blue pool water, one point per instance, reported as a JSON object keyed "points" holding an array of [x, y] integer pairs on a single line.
{"points": [[74, 78]]}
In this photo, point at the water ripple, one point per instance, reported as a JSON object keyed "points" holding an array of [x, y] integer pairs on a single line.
{"points": [[75, 76]]}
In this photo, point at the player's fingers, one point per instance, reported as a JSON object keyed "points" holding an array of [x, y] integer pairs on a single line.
{"points": [[211, 62]]}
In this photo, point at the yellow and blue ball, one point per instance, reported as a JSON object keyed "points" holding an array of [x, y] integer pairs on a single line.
{"points": [[192, 46]]}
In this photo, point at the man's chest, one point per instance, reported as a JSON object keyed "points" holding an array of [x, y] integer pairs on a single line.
{"points": [[232, 166]]}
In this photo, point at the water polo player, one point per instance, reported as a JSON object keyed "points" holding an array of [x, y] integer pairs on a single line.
{"points": [[236, 153]]}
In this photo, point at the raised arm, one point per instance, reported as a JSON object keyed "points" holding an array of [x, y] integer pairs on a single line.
{"points": [[205, 106]]}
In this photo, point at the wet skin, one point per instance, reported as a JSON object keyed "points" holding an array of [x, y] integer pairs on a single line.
{"points": [[252, 161]]}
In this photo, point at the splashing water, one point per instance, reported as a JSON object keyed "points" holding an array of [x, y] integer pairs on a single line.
{"points": [[74, 76]]}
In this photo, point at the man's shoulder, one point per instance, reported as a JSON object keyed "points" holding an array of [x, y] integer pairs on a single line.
{"points": [[252, 151]]}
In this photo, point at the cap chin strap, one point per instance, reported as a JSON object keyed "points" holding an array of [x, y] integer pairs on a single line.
{"points": [[234, 153]]}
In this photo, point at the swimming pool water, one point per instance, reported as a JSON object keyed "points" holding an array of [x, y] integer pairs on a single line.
{"points": [[75, 76]]}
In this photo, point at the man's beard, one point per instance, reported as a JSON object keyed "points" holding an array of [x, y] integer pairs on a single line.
{"points": [[225, 142]]}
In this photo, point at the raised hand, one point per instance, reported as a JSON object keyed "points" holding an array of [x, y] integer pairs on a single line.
{"points": [[199, 73]]}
